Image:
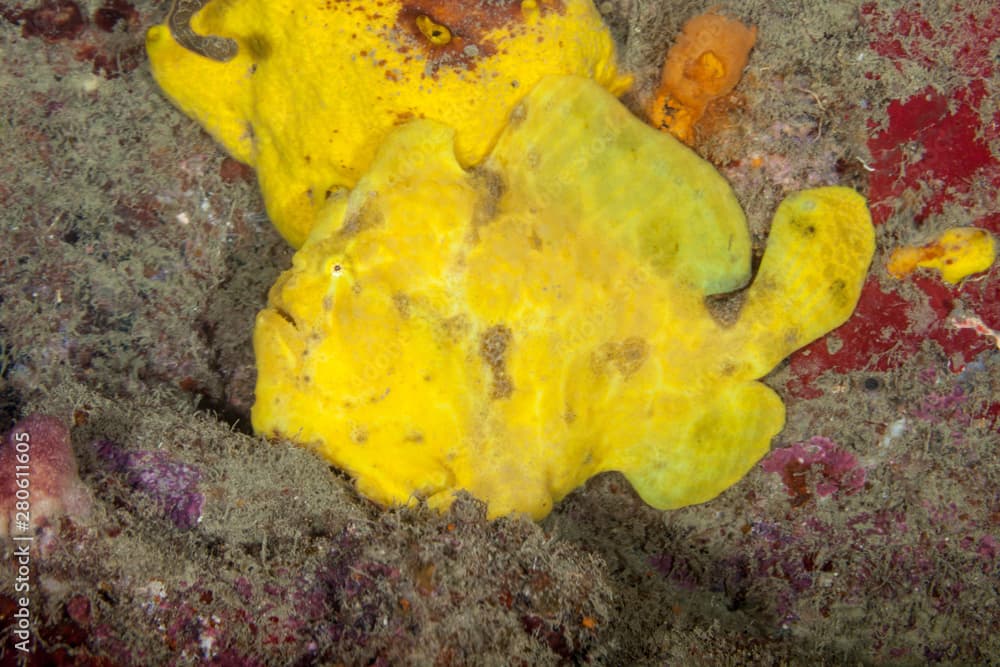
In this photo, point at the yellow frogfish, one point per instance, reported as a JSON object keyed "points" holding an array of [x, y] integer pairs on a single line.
{"points": [[514, 328]]}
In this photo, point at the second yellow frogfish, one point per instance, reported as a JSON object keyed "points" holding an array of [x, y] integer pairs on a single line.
{"points": [[305, 91]]}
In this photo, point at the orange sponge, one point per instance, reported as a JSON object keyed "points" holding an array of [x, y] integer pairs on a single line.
{"points": [[705, 63]]}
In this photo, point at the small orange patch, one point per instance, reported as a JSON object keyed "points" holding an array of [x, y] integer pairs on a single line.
{"points": [[589, 622], [705, 63], [424, 579], [80, 417]]}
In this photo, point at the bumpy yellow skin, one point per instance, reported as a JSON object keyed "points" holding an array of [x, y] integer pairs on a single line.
{"points": [[515, 329], [316, 86]]}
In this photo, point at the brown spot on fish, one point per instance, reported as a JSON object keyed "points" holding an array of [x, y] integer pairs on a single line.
{"points": [[626, 356], [493, 347]]}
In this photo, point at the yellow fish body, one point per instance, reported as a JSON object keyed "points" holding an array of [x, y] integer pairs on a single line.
{"points": [[517, 328]]}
